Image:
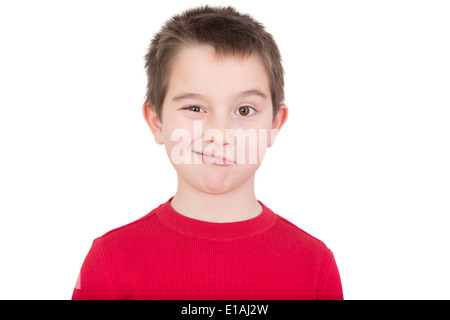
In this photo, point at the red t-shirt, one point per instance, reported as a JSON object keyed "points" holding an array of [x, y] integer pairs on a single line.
{"points": [[168, 256]]}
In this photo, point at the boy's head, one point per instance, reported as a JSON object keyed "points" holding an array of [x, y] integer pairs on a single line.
{"points": [[227, 31], [215, 87]]}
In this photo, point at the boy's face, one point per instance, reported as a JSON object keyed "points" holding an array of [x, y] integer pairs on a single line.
{"points": [[216, 119]]}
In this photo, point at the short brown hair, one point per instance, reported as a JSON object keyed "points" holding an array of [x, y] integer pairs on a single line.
{"points": [[227, 31]]}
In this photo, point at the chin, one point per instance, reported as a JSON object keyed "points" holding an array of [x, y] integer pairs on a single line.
{"points": [[216, 181], [217, 184]]}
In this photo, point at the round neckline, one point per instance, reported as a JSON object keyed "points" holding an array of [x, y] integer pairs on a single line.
{"points": [[216, 230]]}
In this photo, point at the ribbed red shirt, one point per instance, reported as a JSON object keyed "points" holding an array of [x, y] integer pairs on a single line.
{"points": [[168, 256]]}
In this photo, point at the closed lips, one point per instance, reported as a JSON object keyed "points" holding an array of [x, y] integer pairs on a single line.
{"points": [[223, 159]]}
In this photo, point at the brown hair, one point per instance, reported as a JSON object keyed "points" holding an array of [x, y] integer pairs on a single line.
{"points": [[227, 31]]}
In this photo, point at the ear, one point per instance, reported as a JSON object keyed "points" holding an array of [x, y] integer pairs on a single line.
{"points": [[152, 119], [278, 122]]}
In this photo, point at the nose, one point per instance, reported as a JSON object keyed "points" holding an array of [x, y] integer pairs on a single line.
{"points": [[219, 132]]}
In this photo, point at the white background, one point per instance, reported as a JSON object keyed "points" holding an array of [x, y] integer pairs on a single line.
{"points": [[362, 162]]}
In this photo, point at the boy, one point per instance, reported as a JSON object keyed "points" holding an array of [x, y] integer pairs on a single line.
{"points": [[214, 99]]}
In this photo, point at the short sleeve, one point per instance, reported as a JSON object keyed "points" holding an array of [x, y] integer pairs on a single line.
{"points": [[94, 281], [330, 287]]}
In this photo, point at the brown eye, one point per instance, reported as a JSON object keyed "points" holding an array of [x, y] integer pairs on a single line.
{"points": [[245, 110], [195, 109]]}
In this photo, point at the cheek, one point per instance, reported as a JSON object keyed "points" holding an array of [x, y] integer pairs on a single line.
{"points": [[176, 131], [178, 139], [263, 142], [251, 145]]}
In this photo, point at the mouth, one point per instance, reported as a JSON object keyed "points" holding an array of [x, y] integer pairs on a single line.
{"points": [[216, 160]]}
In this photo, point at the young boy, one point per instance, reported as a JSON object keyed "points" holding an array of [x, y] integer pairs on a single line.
{"points": [[214, 99]]}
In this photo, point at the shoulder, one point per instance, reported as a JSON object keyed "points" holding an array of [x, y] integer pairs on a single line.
{"points": [[291, 233], [138, 229]]}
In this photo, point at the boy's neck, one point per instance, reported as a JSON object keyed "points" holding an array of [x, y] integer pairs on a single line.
{"points": [[237, 205]]}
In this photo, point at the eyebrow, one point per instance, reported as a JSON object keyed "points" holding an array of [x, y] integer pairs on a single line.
{"points": [[183, 96], [253, 92], [244, 94]]}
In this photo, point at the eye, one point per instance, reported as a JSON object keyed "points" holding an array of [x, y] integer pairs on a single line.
{"points": [[195, 109], [245, 111]]}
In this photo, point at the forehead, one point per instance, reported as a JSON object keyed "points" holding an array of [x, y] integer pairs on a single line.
{"points": [[200, 69]]}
